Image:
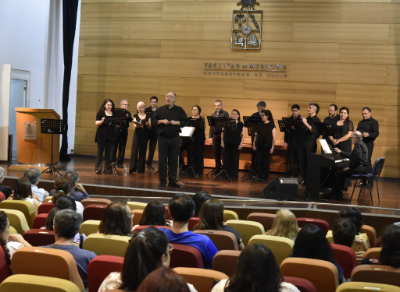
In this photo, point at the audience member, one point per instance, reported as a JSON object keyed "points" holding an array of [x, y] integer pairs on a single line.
{"points": [[147, 251], [311, 243], [66, 226], [64, 188], [6, 190], [257, 271], [181, 209], [34, 174], [9, 242], [199, 198], [154, 214], [285, 225], [163, 280], [23, 192], [117, 220], [212, 218], [390, 254], [77, 195]]}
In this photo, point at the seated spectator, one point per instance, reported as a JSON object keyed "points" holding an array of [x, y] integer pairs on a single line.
{"points": [[6, 190], [212, 218], [311, 243], [199, 198], [390, 254], [77, 195], [9, 242], [66, 226], [154, 214], [285, 225], [64, 203], [256, 271], [34, 174], [147, 251], [23, 192], [181, 209], [163, 280], [117, 220], [64, 188]]}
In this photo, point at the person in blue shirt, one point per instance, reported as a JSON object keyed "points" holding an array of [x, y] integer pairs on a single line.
{"points": [[181, 209], [79, 193]]}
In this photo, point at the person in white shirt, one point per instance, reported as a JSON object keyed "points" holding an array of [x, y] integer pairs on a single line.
{"points": [[63, 187], [34, 174]]}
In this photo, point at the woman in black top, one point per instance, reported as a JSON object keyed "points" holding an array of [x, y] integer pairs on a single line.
{"points": [[198, 143], [342, 131], [105, 136], [264, 145], [139, 143], [232, 142]]}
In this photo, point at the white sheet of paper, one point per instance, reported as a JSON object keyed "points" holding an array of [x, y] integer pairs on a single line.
{"points": [[325, 146], [187, 131]]}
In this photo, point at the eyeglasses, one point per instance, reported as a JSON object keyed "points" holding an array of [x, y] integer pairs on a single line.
{"points": [[127, 104], [170, 248]]}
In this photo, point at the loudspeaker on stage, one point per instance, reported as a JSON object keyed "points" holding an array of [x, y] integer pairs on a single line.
{"points": [[282, 189]]}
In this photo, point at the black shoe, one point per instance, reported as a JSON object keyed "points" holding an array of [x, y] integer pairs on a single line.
{"points": [[163, 184], [98, 171], [360, 184], [338, 197], [174, 184], [150, 167]]}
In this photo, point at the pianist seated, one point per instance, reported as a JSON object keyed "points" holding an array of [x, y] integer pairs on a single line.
{"points": [[357, 165]]}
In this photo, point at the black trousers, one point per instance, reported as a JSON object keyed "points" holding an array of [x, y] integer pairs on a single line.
{"points": [[370, 147], [152, 139], [198, 157], [139, 147], [295, 157], [219, 152], [106, 146], [308, 147], [231, 160], [120, 144], [341, 175], [263, 162], [168, 151]]}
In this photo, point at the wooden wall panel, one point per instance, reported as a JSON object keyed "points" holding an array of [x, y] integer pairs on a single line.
{"points": [[101, 30], [370, 13], [368, 54], [122, 48]]}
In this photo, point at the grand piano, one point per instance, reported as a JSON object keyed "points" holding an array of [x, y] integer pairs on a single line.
{"points": [[317, 169]]}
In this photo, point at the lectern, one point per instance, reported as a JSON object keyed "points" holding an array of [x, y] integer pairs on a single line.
{"points": [[29, 149]]}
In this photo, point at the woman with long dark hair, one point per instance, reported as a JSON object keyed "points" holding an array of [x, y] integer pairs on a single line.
{"points": [[117, 220], [342, 131], [163, 280], [105, 136], [199, 198], [154, 214], [23, 192], [257, 271]]}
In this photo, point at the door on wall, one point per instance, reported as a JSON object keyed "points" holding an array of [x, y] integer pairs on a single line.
{"points": [[5, 80], [17, 99]]}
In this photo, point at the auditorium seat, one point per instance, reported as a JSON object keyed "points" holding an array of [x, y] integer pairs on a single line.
{"points": [[378, 242], [376, 274], [225, 261], [90, 226], [201, 279], [136, 205], [47, 199], [137, 216], [17, 220], [281, 247], [223, 240], [13, 230], [366, 287], [323, 274], [94, 212], [371, 233], [47, 262], [100, 267], [322, 224], [230, 215], [2, 196], [39, 237], [186, 256], [246, 229], [345, 257], [303, 285], [40, 220], [91, 201], [141, 227], [45, 207], [373, 253], [193, 222], [167, 213], [25, 207], [5, 270], [101, 244], [266, 219], [30, 283]]}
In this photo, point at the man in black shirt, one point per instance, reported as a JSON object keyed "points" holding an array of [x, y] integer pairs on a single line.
{"points": [[122, 136], [261, 105], [168, 120], [369, 128], [331, 119], [310, 136], [153, 137], [215, 136], [358, 165]]}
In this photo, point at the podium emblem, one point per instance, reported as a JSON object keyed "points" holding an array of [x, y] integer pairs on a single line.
{"points": [[246, 26]]}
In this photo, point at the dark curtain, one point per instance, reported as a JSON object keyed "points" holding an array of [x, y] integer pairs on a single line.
{"points": [[70, 9]]}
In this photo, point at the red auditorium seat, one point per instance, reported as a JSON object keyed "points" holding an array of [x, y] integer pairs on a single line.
{"points": [[2, 196], [87, 202], [185, 256], [322, 224], [39, 237], [45, 207], [303, 285], [378, 242], [192, 222], [5, 270], [345, 257], [100, 267], [145, 226], [40, 221], [94, 212], [167, 213]]}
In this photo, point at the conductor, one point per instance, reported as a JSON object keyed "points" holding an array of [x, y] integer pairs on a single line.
{"points": [[168, 119]]}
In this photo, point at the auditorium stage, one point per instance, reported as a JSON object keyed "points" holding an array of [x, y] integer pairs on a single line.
{"points": [[130, 184]]}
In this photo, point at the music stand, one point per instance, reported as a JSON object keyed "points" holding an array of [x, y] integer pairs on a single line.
{"points": [[117, 119], [52, 126], [187, 135], [149, 114], [323, 128], [248, 122], [211, 123]]}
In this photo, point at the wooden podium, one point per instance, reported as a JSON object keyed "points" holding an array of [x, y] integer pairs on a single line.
{"points": [[36, 151]]}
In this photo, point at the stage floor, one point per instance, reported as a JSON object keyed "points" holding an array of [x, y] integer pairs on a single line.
{"points": [[84, 165]]}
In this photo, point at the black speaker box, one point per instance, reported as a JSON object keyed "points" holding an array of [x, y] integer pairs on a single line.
{"points": [[282, 189]]}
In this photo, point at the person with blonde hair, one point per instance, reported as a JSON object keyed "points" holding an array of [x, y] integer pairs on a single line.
{"points": [[285, 225]]}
